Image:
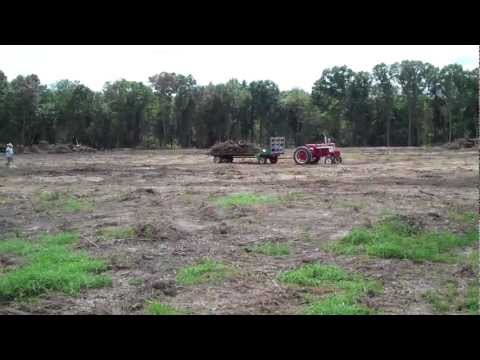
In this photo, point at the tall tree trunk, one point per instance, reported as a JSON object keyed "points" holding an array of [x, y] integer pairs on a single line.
{"points": [[261, 131], [22, 129], [449, 126], [388, 129], [354, 131], [251, 129], [409, 142]]}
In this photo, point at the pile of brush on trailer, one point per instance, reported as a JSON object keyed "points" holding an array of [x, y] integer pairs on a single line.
{"points": [[226, 151]]}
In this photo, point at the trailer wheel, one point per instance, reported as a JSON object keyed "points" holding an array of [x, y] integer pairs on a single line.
{"points": [[273, 160], [302, 155]]}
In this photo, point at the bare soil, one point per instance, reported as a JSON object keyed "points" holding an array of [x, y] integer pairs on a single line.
{"points": [[167, 196]]}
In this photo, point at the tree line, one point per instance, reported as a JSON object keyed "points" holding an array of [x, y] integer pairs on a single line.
{"points": [[409, 103]]}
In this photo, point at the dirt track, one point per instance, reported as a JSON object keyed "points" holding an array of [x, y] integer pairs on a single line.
{"points": [[173, 192]]}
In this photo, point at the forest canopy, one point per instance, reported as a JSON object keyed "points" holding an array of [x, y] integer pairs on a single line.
{"points": [[411, 103]]}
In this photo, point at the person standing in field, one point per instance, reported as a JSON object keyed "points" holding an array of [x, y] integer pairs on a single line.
{"points": [[9, 155]]}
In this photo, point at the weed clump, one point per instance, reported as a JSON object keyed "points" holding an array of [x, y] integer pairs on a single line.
{"points": [[51, 265]]}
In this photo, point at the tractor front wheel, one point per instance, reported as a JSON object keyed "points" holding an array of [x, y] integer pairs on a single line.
{"points": [[273, 160], [302, 155], [262, 159], [330, 160]]}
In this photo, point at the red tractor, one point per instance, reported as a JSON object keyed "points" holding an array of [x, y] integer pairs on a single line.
{"points": [[313, 153]]}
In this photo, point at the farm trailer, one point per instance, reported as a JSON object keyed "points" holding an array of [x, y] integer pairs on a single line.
{"points": [[269, 154]]}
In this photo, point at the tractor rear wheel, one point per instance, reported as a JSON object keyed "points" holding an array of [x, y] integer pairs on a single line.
{"points": [[302, 155]]}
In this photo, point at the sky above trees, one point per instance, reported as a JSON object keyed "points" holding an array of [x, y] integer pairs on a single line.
{"points": [[289, 66]]}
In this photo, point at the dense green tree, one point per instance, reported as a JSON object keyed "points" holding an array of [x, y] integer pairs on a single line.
{"points": [[470, 99], [296, 104], [384, 93], [407, 103], [330, 93], [4, 118], [265, 99], [412, 78], [357, 107], [127, 103], [184, 105], [22, 105]]}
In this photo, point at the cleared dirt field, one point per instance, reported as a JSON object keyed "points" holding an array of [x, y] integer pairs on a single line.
{"points": [[164, 207]]}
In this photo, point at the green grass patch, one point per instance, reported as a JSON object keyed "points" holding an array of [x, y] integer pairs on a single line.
{"points": [[16, 247], [109, 233], [271, 249], [205, 271], [345, 289], [443, 301], [314, 275], [394, 237], [466, 218], [51, 265], [473, 297], [337, 305], [63, 202], [156, 308], [451, 299], [73, 205], [245, 199]]}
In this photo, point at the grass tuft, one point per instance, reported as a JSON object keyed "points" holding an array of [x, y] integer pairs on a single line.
{"points": [[451, 299], [156, 308], [466, 218], [472, 300], [50, 266], [271, 249], [395, 237], [313, 275], [347, 289], [337, 305], [109, 233], [245, 199], [205, 271], [63, 202]]}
